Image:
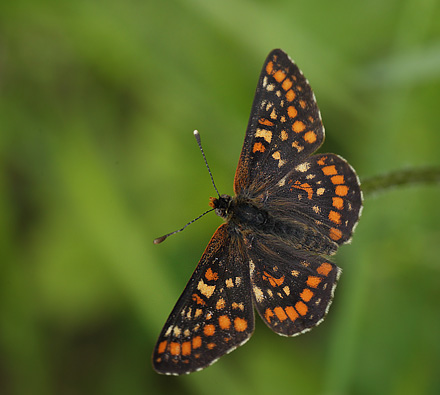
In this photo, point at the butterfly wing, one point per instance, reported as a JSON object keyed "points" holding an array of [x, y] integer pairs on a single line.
{"points": [[284, 127], [214, 314], [276, 165], [292, 290], [315, 195], [324, 191]]}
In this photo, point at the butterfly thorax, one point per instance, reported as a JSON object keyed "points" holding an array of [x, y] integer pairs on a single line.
{"points": [[244, 216]]}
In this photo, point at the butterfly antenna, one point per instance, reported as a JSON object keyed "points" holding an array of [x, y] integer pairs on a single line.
{"points": [[199, 142], [161, 239]]}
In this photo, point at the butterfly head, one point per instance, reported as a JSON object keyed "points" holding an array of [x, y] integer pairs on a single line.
{"points": [[221, 205]]}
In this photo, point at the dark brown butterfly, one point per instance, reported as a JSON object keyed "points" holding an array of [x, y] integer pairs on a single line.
{"points": [[291, 210]]}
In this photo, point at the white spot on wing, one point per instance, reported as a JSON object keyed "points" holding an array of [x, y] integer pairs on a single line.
{"points": [[251, 266], [259, 296], [303, 167], [205, 289], [270, 87], [281, 183]]}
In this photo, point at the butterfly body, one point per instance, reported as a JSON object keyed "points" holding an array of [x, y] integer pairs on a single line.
{"points": [[292, 209], [246, 217]]}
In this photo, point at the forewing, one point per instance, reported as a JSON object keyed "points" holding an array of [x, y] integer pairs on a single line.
{"points": [[214, 314], [284, 126], [292, 290], [324, 191]]}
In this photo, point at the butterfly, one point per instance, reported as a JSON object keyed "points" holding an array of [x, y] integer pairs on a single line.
{"points": [[291, 211]]}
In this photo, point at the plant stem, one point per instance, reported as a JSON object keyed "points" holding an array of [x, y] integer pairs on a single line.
{"points": [[378, 184]]}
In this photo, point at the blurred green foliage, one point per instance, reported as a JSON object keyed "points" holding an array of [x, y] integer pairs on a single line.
{"points": [[98, 100]]}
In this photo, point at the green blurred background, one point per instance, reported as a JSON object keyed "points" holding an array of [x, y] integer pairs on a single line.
{"points": [[98, 101]]}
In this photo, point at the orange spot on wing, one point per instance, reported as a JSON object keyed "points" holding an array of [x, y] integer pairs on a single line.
{"points": [[284, 135], [198, 299], [305, 187], [210, 275], [162, 347], [269, 67], [310, 137], [291, 112], [210, 346], [240, 324], [341, 190], [338, 202], [302, 103], [258, 147], [209, 330], [321, 162], [324, 269], [298, 126], [301, 308], [291, 312], [287, 84], [196, 342], [279, 75], [174, 348], [224, 322], [274, 282], [268, 314], [329, 170], [306, 294], [313, 281], [337, 179], [334, 217], [335, 234], [264, 121], [280, 313], [186, 348], [290, 95]]}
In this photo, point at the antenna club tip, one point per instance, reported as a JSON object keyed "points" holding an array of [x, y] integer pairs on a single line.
{"points": [[196, 132], [159, 240]]}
